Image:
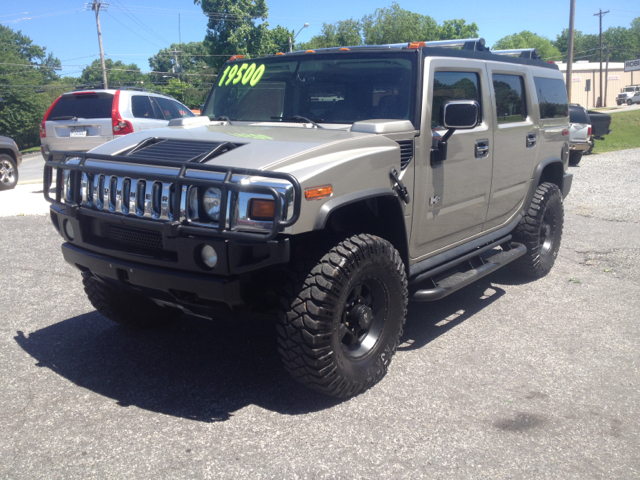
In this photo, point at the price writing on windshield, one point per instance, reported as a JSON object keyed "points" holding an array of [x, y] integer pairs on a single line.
{"points": [[247, 73]]}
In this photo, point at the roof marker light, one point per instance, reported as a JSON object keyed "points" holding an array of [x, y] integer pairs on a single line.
{"points": [[236, 57], [310, 51]]}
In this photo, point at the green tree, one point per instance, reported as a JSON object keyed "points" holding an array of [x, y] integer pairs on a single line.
{"points": [[118, 74], [585, 47], [232, 30], [395, 24], [341, 33], [526, 39], [458, 29], [24, 69]]}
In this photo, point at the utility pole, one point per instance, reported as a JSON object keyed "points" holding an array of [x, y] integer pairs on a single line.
{"points": [[175, 59], [97, 4], [606, 78], [601, 14], [572, 14]]}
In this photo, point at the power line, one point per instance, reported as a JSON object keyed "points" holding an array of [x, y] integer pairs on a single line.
{"points": [[132, 31], [123, 9]]}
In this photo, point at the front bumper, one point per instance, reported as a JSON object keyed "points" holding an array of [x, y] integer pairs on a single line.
{"points": [[161, 284]]}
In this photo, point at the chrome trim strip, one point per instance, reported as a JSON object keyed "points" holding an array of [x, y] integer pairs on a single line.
{"points": [[148, 200], [165, 195], [119, 185], [133, 192]]}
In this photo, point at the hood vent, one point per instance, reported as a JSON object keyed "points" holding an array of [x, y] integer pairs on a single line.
{"points": [[179, 150], [406, 152]]}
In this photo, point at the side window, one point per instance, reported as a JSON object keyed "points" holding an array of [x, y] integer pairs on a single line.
{"points": [[453, 86], [141, 107], [510, 99], [552, 97], [182, 110], [167, 108]]}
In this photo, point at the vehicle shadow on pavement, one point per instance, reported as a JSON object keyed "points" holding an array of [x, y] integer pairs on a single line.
{"points": [[205, 370], [426, 321], [196, 369]]}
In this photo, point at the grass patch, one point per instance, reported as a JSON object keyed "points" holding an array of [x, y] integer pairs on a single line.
{"points": [[30, 150], [625, 133]]}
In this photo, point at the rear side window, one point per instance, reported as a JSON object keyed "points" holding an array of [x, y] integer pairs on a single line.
{"points": [[167, 108], [141, 107], [453, 86], [82, 106], [552, 96], [182, 110], [510, 99]]}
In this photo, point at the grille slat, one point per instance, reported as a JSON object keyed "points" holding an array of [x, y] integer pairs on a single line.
{"points": [[406, 152]]}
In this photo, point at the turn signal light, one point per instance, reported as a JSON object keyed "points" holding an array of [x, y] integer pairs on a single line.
{"points": [[262, 209], [317, 193]]}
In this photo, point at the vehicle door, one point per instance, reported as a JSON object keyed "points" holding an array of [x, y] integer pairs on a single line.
{"points": [[451, 198], [166, 109], [515, 140], [146, 114]]}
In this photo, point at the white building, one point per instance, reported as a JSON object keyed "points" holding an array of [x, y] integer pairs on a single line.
{"points": [[585, 86]]}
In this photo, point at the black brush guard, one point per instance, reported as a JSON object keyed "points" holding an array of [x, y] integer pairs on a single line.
{"points": [[178, 225]]}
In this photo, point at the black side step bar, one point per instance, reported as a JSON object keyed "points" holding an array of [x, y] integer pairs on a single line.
{"points": [[447, 282]]}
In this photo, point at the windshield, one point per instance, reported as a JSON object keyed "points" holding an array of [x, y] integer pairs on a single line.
{"points": [[323, 88], [630, 89]]}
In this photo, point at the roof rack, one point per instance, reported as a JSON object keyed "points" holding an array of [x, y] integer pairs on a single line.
{"points": [[530, 53], [474, 44]]}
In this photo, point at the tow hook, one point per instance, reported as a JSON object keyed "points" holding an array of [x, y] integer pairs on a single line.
{"points": [[402, 190]]}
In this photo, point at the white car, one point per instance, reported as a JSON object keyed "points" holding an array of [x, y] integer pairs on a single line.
{"points": [[579, 133], [85, 119], [634, 99]]}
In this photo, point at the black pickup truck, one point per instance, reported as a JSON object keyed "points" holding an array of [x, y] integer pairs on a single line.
{"points": [[600, 126]]}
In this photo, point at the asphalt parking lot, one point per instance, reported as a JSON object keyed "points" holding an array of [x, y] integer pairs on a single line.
{"points": [[502, 379]]}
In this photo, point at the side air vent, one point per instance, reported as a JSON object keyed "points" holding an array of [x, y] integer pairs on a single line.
{"points": [[406, 152], [178, 150]]}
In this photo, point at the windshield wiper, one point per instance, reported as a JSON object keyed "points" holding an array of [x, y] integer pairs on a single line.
{"points": [[65, 117], [225, 118], [299, 118]]}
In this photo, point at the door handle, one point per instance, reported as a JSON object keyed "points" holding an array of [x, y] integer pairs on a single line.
{"points": [[531, 140], [482, 148]]}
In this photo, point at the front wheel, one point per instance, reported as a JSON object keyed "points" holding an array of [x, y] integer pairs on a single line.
{"points": [[8, 172], [540, 231], [629, 102], [126, 308], [343, 318]]}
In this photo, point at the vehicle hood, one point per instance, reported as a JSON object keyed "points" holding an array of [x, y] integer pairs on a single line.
{"points": [[264, 147]]}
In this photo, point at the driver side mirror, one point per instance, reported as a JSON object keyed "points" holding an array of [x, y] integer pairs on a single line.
{"points": [[454, 115]]}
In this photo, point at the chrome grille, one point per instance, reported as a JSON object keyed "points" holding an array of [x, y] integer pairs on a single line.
{"points": [[134, 197]]}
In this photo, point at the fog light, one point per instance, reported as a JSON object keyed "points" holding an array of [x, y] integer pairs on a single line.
{"points": [[209, 256], [68, 230]]}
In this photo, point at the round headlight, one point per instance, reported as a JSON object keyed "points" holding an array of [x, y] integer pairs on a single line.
{"points": [[211, 200]]}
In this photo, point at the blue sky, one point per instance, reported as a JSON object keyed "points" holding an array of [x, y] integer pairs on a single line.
{"points": [[133, 30]]}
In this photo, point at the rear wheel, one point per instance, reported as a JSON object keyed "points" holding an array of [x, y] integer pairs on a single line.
{"points": [[8, 172], [343, 317], [126, 308], [589, 150], [574, 158], [540, 231]]}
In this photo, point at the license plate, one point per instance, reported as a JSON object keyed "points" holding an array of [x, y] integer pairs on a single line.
{"points": [[78, 132]]}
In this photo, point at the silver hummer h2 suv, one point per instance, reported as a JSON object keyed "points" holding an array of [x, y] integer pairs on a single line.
{"points": [[325, 188]]}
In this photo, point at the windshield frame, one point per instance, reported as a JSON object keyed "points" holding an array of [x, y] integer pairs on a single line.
{"points": [[408, 54]]}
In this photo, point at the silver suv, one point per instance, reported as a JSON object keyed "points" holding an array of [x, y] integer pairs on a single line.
{"points": [[324, 190], [84, 119]]}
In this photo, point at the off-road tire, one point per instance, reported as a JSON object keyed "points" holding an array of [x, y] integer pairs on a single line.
{"points": [[126, 308], [574, 158], [540, 231], [8, 172], [327, 295]]}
